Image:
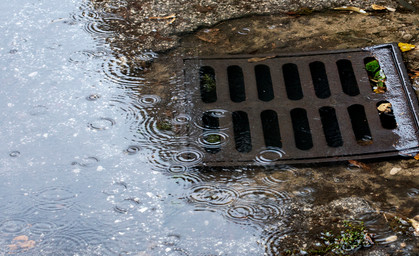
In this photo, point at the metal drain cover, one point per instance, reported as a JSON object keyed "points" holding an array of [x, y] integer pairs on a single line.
{"points": [[301, 108]]}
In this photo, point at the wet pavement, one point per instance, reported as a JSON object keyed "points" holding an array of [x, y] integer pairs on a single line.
{"points": [[88, 168]]}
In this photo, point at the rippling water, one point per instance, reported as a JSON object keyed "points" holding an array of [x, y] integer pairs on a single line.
{"points": [[95, 158]]}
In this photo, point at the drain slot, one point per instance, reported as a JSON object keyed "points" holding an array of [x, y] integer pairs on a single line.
{"points": [[207, 84], [331, 127], [385, 111], [264, 82], [301, 127], [360, 125], [292, 81], [270, 126], [236, 84], [242, 132], [211, 137], [347, 77], [319, 77]]}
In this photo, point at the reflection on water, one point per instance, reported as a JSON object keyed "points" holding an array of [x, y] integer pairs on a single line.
{"points": [[96, 161]]}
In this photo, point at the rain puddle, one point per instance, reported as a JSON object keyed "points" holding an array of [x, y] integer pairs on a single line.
{"points": [[96, 161]]}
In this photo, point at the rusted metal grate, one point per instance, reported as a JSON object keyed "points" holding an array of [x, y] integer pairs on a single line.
{"points": [[300, 108]]}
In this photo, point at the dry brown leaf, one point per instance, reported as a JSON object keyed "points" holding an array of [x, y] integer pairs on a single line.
{"points": [[351, 8], [172, 18], [27, 244], [258, 59], [378, 7], [21, 242], [21, 238], [414, 74], [359, 165], [384, 107]]}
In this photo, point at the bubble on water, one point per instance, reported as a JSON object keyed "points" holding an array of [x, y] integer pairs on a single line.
{"points": [[93, 97], [244, 31], [307, 191], [14, 153], [90, 161], [132, 150], [182, 119], [189, 156], [177, 169], [102, 123], [149, 100]]}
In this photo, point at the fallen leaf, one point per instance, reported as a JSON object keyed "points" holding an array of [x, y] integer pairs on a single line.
{"points": [[359, 165], [21, 242], [414, 74], [416, 157], [163, 17], [384, 107], [258, 59], [351, 8], [21, 238], [172, 18], [406, 47], [378, 7], [27, 244]]}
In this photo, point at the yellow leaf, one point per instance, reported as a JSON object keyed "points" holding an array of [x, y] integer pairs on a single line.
{"points": [[417, 157], [406, 47]]}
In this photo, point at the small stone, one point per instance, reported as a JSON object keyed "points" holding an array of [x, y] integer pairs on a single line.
{"points": [[407, 37], [395, 170], [391, 239]]}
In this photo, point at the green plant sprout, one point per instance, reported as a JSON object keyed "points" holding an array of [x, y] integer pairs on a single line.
{"points": [[164, 125], [352, 238], [208, 83], [376, 76]]}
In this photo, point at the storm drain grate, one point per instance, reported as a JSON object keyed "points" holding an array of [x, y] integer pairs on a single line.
{"points": [[300, 108]]}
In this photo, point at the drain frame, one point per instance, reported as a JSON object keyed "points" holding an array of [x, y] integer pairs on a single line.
{"points": [[402, 140]]}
